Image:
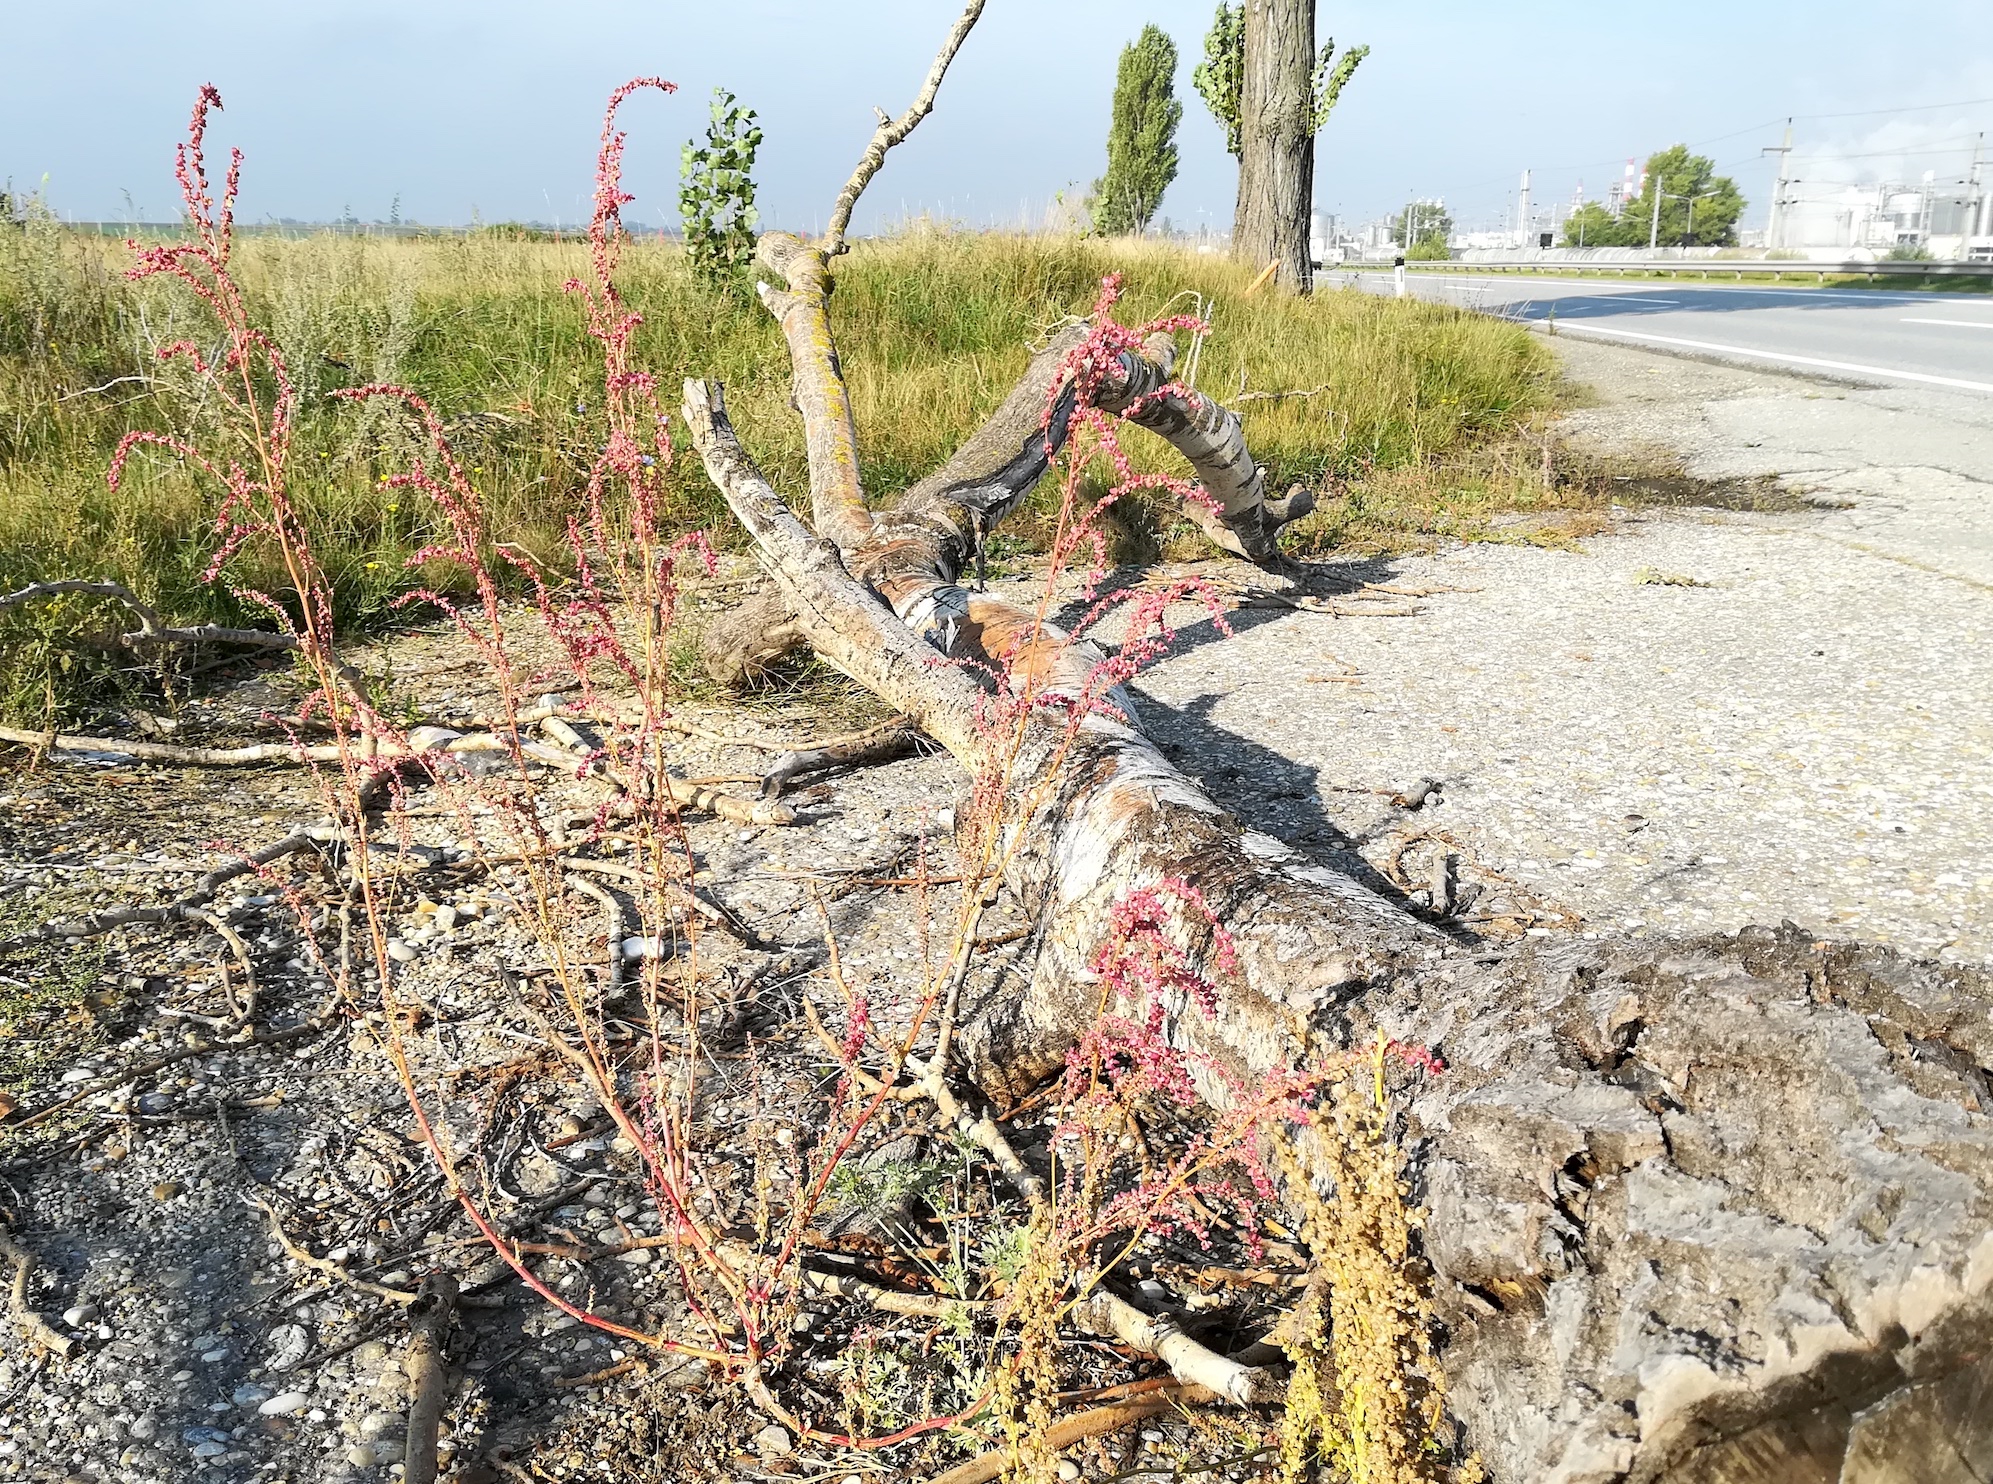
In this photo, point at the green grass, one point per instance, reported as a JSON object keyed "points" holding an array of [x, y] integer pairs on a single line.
{"points": [[933, 328]]}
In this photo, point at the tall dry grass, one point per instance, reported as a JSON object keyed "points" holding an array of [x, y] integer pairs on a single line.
{"points": [[933, 327]]}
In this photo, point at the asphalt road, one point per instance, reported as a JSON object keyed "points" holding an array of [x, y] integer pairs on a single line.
{"points": [[1873, 336]]}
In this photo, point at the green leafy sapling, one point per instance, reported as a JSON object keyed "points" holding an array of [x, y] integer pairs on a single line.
{"points": [[716, 193]]}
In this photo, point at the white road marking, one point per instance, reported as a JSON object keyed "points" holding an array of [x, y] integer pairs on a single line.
{"points": [[1866, 296], [1606, 299], [1963, 324], [1568, 327]]}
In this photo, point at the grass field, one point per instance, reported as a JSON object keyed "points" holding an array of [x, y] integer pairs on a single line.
{"points": [[933, 326]]}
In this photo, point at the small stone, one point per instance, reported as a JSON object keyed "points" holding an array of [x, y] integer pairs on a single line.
{"points": [[772, 1441], [400, 952], [361, 1455], [250, 1395], [79, 1316], [165, 1190], [379, 1425], [210, 1450], [1068, 1470], [284, 1403], [446, 918], [289, 1344]]}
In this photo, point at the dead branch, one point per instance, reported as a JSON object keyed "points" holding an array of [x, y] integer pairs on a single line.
{"points": [[326, 1266], [153, 628], [168, 752], [1277, 396], [243, 1010], [34, 1328], [1212, 438], [615, 925], [429, 1321], [1093, 1423], [891, 131], [880, 744], [892, 1301], [1106, 1313], [188, 908], [741, 811], [713, 912]]}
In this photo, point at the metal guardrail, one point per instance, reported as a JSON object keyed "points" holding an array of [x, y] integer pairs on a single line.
{"points": [[1706, 268]]}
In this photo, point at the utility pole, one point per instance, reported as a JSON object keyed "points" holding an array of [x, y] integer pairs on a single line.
{"points": [[1975, 223], [1778, 190], [1522, 213], [1654, 231]]}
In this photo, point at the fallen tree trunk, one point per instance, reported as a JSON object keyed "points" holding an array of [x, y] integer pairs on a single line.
{"points": [[1696, 1212]]}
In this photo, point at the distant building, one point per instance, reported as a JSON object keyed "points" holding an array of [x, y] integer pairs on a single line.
{"points": [[1951, 221]]}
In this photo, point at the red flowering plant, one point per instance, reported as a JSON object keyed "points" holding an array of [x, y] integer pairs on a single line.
{"points": [[615, 989]]}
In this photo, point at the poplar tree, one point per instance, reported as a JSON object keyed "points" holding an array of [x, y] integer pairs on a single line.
{"points": [[1272, 91], [1141, 138]]}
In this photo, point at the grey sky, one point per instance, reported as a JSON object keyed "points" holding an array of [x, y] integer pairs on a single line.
{"points": [[494, 106]]}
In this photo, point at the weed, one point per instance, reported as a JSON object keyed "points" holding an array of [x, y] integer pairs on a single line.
{"points": [[1655, 577]]}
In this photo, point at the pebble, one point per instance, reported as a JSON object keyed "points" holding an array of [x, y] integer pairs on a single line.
{"points": [[284, 1403], [446, 918], [400, 952], [288, 1345], [210, 1450], [155, 1102], [165, 1190], [145, 1428], [379, 1425], [772, 1441], [249, 1394], [79, 1316], [1068, 1470], [362, 1455]]}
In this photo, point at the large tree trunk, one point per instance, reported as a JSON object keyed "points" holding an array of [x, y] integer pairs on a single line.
{"points": [[1696, 1212], [1277, 141]]}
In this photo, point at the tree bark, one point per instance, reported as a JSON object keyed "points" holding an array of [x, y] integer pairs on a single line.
{"points": [[1277, 141], [1696, 1212]]}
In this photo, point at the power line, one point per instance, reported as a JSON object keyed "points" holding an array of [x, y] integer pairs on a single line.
{"points": [[1863, 113]]}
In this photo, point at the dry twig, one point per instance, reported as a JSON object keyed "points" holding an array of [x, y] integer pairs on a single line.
{"points": [[429, 1321], [1093, 1423], [891, 131], [35, 1328]]}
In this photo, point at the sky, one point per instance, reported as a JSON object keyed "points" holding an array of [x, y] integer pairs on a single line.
{"points": [[490, 108]]}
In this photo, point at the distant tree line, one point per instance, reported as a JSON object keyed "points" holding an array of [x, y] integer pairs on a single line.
{"points": [[1698, 208]]}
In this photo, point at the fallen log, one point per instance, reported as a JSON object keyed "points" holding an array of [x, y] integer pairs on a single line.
{"points": [[1694, 1212]]}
